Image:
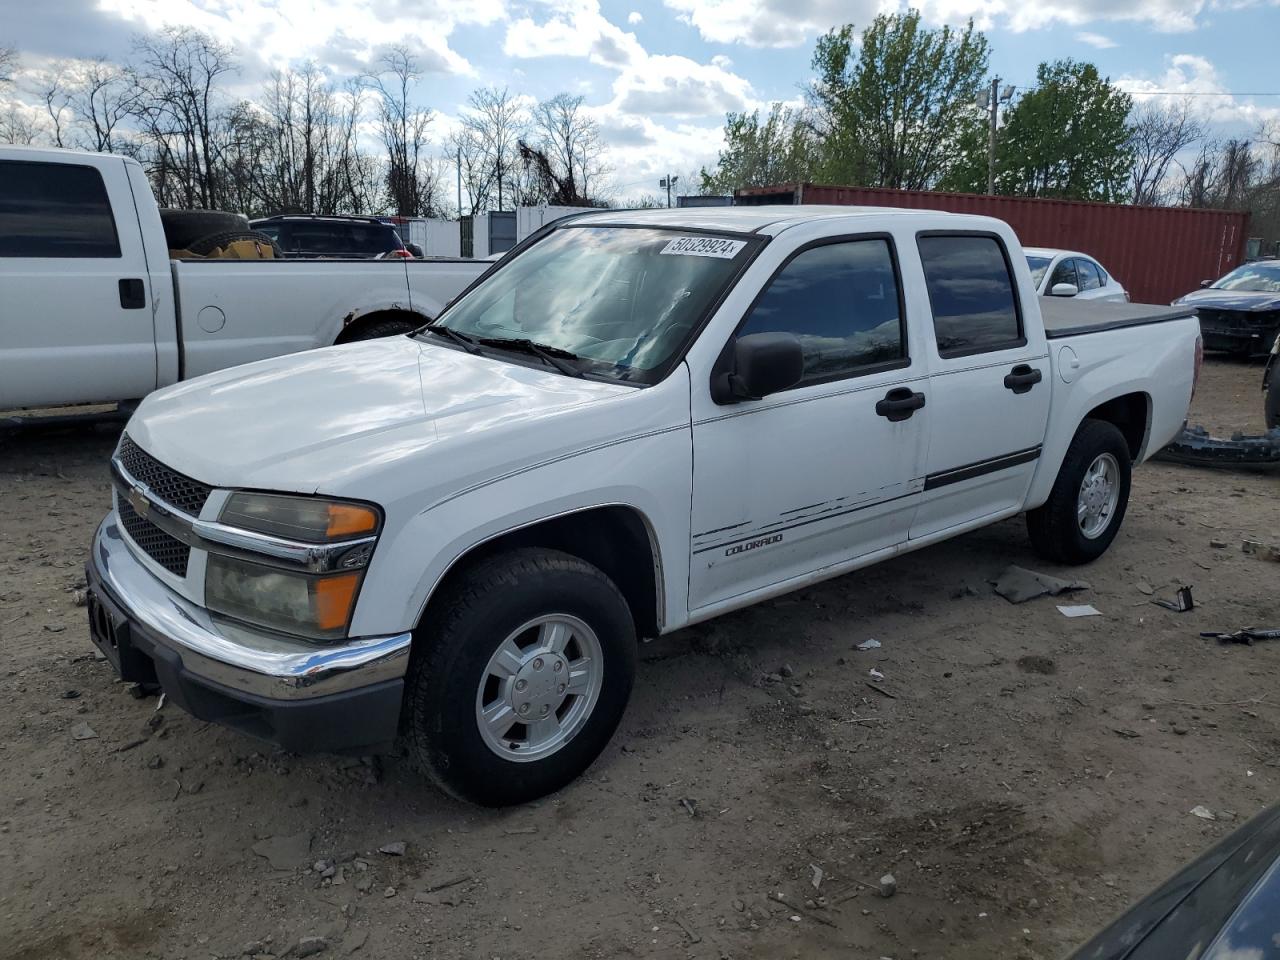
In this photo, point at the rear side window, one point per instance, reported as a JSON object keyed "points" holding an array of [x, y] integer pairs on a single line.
{"points": [[1088, 273], [971, 292], [55, 210], [841, 301], [374, 238], [321, 238]]}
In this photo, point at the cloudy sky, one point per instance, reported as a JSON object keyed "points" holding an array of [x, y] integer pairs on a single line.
{"points": [[660, 74]]}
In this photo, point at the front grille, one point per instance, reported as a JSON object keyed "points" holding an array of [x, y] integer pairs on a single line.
{"points": [[1244, 320], [169, 552], [170, 486]]}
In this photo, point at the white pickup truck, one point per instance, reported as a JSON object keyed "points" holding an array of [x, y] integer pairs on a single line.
{"points": [[638, 421], [92, 310]]}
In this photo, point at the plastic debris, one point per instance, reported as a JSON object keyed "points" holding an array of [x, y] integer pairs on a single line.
{"points": [[875, 674], [1080, 610], [871, 644], [1204, 813], [1018, 584]]}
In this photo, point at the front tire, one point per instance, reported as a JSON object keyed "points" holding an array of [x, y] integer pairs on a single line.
{"points": [[1089, 498], [519, 677]]}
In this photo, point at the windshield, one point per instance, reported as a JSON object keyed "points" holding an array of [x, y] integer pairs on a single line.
{"points": [[1252, 278], [623, 299], [1038, 266]]}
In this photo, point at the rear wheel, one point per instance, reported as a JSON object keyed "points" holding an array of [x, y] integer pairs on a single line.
{"points": [[520, 677], [1089, 498], [184, 227]]}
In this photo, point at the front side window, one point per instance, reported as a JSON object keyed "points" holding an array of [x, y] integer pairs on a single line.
{"points": [[971, 292], [1064, 272], [1088, 274], [625, 300], [841, 301], [1038, 265], [55, 210]]}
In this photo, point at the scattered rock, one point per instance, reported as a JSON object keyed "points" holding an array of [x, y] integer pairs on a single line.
{"points": [[1037, 664], [1218, 544], [310, 946], [1144, 587], [285, 853], [364, 884], [82, 731], [1126, 733], [70, 694], [787, 671], [354, 941], [394, 849], [888, 885], [739, 906], [1204, 813], [1180, 730], [54, 629], [449, 898], [80, 598], [155, 761], [389, 892]]}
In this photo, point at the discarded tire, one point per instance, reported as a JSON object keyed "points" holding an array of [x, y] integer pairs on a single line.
{"points": [[184, 227]]}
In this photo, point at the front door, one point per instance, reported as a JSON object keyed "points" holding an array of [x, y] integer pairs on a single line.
{"points": [[75, 298], [825, 471], [989, 392]]}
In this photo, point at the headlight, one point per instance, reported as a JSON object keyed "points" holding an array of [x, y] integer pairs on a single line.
{"points": [[318, 607], [299, 518], [308, 602]]}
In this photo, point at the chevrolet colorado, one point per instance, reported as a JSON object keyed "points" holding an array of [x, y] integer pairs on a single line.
{"points": [[636, 421]]}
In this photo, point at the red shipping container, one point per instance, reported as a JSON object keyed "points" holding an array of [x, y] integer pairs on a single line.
{"points": [[1158, 253]]}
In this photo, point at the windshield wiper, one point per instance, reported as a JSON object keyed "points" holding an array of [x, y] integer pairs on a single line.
{"points": [[556, 356], [461, 339]]}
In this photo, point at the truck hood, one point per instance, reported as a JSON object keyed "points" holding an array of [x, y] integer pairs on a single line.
{"points": [[306, 422], [1243, 301]]}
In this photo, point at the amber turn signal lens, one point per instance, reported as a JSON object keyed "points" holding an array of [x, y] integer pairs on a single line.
{"points": [[334, 597], [346, 520]]}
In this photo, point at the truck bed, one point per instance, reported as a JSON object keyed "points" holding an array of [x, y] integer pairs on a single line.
{"points": [[1065, 317]]}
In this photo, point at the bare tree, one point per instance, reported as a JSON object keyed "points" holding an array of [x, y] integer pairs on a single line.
{"points": [[8, 64], [104, 97], [412, 182], [495, 122], [1158, 134], [55, 93], [569, 139], [180, 112], [1222, 177]]}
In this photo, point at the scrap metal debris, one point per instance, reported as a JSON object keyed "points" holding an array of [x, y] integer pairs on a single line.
{"points": [[1018, 584], [1181, 602], [1204, 813], [1197, 447], [1079, 610], [1246, 636]]}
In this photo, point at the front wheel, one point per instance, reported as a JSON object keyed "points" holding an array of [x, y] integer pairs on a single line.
{"points": [[1088, 501], [520, 677]]}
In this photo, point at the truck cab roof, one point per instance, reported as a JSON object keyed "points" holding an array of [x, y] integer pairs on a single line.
{"points": [[769, 220]]}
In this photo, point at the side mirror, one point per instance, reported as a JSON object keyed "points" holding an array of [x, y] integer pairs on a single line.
{"points": [[763, 363], [1206, 283], [1064, 290]]}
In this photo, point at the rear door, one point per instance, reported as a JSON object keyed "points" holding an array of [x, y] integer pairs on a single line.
{"points": [[989, 390], [76, 323]]}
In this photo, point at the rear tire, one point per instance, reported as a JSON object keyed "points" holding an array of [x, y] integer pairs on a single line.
{"points": [[1089, 498], [483, 709]]}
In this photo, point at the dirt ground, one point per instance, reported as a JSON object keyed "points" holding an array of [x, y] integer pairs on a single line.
{"points": [[1031, 775]]}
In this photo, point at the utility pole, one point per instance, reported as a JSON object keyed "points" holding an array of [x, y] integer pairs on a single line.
{"points": [[993, 106], [668, 181], [459, 181]]}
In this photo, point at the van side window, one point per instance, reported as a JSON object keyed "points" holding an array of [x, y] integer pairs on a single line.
{"points": [[971, 291], [55, 210], [841, 300]]}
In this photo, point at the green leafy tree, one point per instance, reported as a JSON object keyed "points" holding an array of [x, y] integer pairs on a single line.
{"points": [[892, 109], [758, 153], [1068, 137]]}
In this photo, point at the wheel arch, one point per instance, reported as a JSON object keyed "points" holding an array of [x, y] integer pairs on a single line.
{"points": [[356, 320], [1130, 413], [615, 537]]}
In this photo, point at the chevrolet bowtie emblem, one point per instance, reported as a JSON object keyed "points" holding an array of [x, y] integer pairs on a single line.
{"points": [[138, 500]]}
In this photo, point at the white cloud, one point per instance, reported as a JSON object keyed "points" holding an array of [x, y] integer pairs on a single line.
{"points": [[335, 32], [787, 23], [1188, 73], [634, 17], [721, 61], [1096, 40]]}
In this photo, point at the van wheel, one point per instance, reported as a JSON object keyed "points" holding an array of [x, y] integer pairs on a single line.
{"points": [[519, 677], [1088, 501]]}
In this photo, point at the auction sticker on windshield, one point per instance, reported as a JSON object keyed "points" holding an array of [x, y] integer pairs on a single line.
{"points": [[704, 247]]}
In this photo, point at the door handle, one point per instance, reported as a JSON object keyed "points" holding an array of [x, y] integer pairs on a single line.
{"points": [[1022, 378], [899, 404], [133, 294]]}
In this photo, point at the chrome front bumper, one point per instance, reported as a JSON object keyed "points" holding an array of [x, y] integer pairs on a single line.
{"points": [[232, 657]]}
